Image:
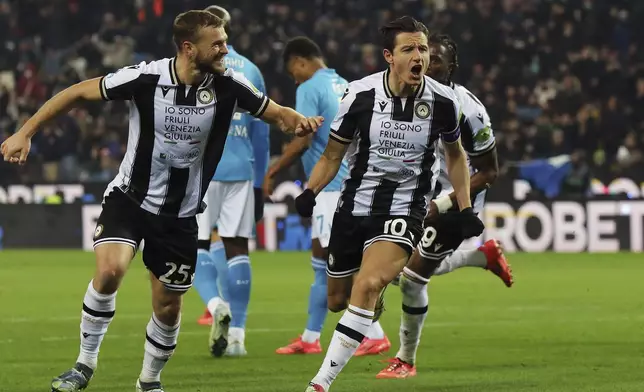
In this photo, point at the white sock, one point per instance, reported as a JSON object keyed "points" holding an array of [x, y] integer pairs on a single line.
{"points": [[462, 258], [160, 342], [236, 334], [310, 336], [415, 305], [98, 312], [213, 303], [376, 331], [348, 335]]}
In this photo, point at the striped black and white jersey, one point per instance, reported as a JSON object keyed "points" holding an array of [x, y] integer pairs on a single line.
{"points": [[177, 132], [477, 138], [392, 144]]}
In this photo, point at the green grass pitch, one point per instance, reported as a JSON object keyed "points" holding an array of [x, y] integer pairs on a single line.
{"points": [[573, 322]]}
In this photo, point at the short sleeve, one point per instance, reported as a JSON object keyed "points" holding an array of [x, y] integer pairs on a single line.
{"points": [[345, 123], [122, 84], [249, 98], [448, 110], [478, 123], [257, 80]]}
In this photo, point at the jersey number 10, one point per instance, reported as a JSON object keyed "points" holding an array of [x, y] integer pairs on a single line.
{"points": [[396, 227]]}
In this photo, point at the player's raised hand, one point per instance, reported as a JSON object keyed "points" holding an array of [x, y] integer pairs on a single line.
{"points": [[16, 148], [308, 125]]}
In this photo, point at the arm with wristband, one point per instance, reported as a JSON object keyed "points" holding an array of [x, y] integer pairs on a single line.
{"points": [[487, 167], [482, 154]]}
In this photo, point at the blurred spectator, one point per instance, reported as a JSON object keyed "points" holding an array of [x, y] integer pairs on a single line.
{"points": [[576, 184], [554, 74]]}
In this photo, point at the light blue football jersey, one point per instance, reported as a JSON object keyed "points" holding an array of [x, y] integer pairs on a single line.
{"points": [[320, 96], [246, 152]]}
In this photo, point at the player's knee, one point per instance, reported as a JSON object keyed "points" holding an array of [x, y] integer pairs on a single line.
{"points": [[369, 284], [338, 293], [167, 309], [110, 272], [337, 302]]}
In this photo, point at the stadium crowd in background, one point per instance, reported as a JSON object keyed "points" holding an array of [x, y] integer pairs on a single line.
{"points": [[557, 77]]}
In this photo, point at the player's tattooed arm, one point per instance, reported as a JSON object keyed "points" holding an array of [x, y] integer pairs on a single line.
{"points": [[328, 166], [459, 173], [290, 121]]}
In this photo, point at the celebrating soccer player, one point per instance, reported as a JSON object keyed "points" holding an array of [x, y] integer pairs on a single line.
{"points": [[437, 253], [180, 113], [391, 120]]}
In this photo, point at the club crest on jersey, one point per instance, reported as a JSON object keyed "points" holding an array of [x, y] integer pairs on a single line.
{"points": [[98, 231], [422, 110], [205, 96]]}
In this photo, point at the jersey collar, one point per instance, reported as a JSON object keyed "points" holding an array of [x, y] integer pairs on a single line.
{"points": [[385, 82], [174, 76]]}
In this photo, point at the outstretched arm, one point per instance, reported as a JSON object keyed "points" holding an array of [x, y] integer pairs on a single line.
{"points": [[119, 85], [290, 121], [255, 102], [88, 90]]}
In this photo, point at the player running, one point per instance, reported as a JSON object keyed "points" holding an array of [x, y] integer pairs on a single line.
{"points": [[180, 112], [437, 252], [235, 203], [391, 120], [318, 93]]}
